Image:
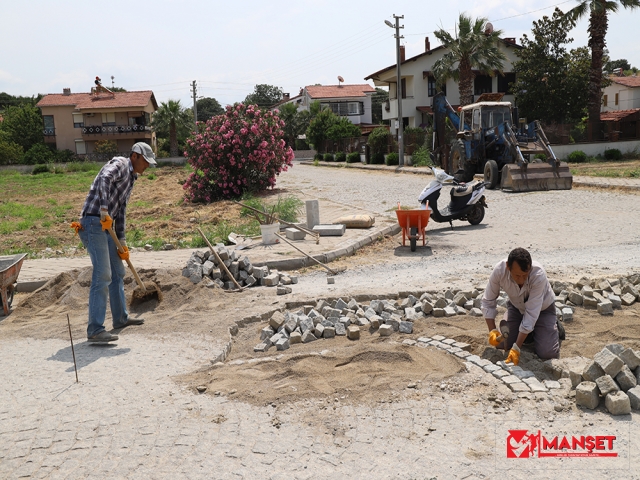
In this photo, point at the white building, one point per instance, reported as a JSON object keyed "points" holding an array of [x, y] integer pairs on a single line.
{"points": [[622, 94], [418, 84]]}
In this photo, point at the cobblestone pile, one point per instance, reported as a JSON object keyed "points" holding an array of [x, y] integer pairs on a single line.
{"points": [[204, 266]]}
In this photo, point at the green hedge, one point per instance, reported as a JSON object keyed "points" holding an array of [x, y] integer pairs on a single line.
{"points": [[577, 156], [341, 157], [353, 157], [328, 157]]}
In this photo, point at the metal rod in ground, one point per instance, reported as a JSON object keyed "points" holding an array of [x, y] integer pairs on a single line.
{"points": [[73, 352], [221, 263], [333, 272], [316, 235]]}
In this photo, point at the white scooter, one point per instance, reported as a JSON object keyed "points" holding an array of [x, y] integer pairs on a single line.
{"points": [[467, 200]]}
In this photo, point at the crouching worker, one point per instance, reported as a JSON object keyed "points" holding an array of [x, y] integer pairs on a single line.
{"points": [[531, 309]]}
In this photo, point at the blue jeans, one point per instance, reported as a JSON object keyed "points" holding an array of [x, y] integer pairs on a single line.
{"points": [[107, 277]]}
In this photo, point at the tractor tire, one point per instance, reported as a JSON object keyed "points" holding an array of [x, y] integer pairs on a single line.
{"points": [[491, 174], [462, 169], [475, 216], [413, 239]]}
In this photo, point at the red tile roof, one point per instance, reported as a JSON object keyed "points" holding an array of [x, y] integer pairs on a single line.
{"points": [[335, 91], [86, 101], [617, 115], [626, 81]]}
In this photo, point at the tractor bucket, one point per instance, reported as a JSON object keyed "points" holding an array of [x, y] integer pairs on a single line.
{"points": [[533, 177]]}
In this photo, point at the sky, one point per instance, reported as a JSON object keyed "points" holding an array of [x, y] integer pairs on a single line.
{"points": [[229, 47]]}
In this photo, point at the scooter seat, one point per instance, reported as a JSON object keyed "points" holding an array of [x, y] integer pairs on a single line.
{"points": [[461, 190]]}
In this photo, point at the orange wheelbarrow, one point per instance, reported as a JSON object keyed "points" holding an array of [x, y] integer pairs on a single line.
{"points": [[413, 223], [9, 270]]}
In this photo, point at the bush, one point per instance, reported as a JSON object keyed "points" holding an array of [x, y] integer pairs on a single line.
{"points": [[301, 144], [612, 154], [328, 157], [10, 153], [353, 157], [65, 156], [38, 154], [341, 157], [108, 147], [42, 168], [421, 157], [377, 158], [577, 156], [414, 136], [378, 140], [392, 159], [237, 152], [318, 156]]}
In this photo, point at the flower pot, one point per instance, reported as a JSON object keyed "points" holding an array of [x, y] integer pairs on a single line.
{"points": [[268, 232]]}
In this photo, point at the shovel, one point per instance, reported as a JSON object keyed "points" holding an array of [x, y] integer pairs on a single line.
{"points": [[143, 291]]}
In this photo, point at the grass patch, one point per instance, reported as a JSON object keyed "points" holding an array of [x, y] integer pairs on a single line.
{"points": [[19, 210], [285, 208], [141, 204]]}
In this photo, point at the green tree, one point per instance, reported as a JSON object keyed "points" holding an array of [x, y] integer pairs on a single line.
{"points": [[471, 49], [318, 127], [343, 128], [7, 100], [264, 96], [551, 81], [208, 107], [23, 125], [10, 153], [173, 121], [598, 11], [289, 114], [377, 101]]}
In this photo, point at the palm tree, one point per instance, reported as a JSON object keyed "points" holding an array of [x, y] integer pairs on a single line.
{"points": [[473, 47], [170, 118], [598, 21]]}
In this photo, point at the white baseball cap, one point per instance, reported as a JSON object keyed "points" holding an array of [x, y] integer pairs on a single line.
{"points": [[145, 150]]}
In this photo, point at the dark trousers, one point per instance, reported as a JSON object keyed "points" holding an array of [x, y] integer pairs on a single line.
{"points": [[546, 341]]}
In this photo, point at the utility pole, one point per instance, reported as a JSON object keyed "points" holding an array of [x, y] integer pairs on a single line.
{"points": [[195, 105], [399, 91]]}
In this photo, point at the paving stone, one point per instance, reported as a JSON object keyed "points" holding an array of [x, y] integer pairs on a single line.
{"points": [[294, 234], [448, 341], [424, 339], [462, 354], [575, 298], [491, 368], [587, 395], [459, 299], [440, 303], [462, 346], [617, 403], [438, 312], [615, 300], [500, 373], [567, 314], [626, 379], [481, 362], [340, 329], [271, 280], [319, 330], [523, 374], [631, 290], [295, 337], [405, 327], [439, 338], [408, 342], [282, 344], [375, 322], [329, 332], [261, 347], [385, 330], [308, 336], [475, 312], [590, 302], [592, 372], [582, 282], [552, 384], [470, 358], [519, 387], [534, 384], [306, 324], [267, 332], [630, 358], [605, 308], [606, 384], [450, 312], [511, 379], [336, 230], [438, 344], [353, 332], [362, 322], [608, 361], [395, 324], [627, 299], [634, 397], [427, 307]]}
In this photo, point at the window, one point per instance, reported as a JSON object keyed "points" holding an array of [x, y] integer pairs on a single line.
{"points": [[616, 99], [604, 100], [81, 147], [482, 84], [354, 108], [505, 82], [108, 119], [78, 120], [344, 109], [431, 87], [476, 119], [403, 87], [49, 127]]}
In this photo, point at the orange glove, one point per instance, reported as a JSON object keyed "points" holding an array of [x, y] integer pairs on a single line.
{"points": [[106, 221], [124, 255], [495, 337], [514, 355], [76, 226]]}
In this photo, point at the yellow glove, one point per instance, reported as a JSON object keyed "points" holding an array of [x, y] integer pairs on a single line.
{"points": [[514, 355], [495, 337], [105, 220], [124, 255]]}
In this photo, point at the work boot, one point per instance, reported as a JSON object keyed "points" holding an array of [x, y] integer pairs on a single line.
{"points": [[103, 337]]}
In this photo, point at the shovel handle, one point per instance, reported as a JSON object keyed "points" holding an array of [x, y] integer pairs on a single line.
{"points": [[121, 250]]}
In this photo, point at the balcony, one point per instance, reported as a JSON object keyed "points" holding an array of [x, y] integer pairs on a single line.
{"points": [[49, 135], [91, 131]]}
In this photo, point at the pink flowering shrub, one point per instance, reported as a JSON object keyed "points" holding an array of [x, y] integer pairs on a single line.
{"points": [[239, 151]]}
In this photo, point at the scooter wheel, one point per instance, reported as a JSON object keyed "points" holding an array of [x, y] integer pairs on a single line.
{"points": [[476, 214], [413, 239]]}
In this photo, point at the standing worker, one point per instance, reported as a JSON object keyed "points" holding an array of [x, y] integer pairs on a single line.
{"points": [[531, 310], [107, 203]]}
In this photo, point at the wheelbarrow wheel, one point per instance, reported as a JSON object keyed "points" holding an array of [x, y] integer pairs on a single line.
{"points": [[413, 238]]}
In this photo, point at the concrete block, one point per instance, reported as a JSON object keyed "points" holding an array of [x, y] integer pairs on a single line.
{"points": [[261, 347], [405, 327], [375, 322], [592, 372], [615, 348], [395, 324], [295, 337], [306, 324], [605, 308], [582, 282], [534, 384], [308, 336], [630, 289], [277, 320], [362, 322], [341, 330], [353, 332], [266, 332], [385, 330], [500, 373], [462, 346], [271, 280], [567, 314], [475, 312], [615, 300], [450, 312], [329, 332], [294, 234], [606, 384], [587, 395], [589, 302], [440, 303], [330, 230], [462, 354], [427, 307], [312, 209], [438, 338], [319, 330], [459, 299], [626, 379], [587, 291], [630, 358], [285, 280], [575, 298], [609, 362], [438, 312], [617, 403], [627, 299], [282, 290], [523, 374], [519, 387], [552, 384], [411, 315], [634, 397], [448, 341], [491, 368], [282, 344]]}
